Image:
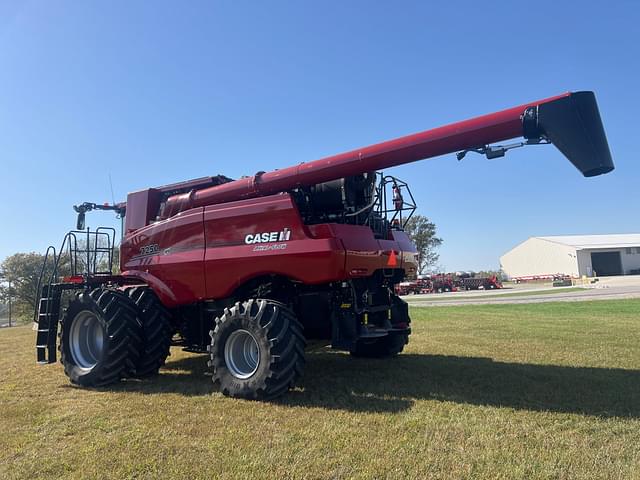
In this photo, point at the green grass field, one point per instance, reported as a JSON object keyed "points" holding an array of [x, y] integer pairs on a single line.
{"points": [[495, 391]]}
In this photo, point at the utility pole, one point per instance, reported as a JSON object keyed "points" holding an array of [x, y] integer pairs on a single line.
{"points": [[9, 303]]}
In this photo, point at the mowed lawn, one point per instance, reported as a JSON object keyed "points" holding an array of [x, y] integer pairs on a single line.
{"points": [[495, 391]]}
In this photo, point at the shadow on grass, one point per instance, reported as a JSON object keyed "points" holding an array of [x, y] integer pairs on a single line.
{"points": [[336, 381]]}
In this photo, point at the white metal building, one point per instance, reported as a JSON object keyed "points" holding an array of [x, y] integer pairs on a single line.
{"points": [[574, 255]]}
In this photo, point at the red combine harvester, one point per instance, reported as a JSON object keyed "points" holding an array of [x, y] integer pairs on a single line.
{"points": [[248, 270]]}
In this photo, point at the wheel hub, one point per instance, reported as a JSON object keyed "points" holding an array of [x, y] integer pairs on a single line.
{"points": [[86, 340], [242, 354]]}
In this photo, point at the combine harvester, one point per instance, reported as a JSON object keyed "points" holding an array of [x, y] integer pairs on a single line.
{"points": [[247, 270]]}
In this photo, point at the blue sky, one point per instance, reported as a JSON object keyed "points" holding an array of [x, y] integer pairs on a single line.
{"points": [[156, 92]]}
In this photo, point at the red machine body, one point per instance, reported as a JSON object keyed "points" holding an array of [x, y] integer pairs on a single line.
{"points": [[203, 254]]}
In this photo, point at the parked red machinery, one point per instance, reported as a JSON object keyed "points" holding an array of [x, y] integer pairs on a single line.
{"points": [[545, 277], [443, 283], [413, 287], [447, 282], [407, 288], [472, 282], [247, 270]]}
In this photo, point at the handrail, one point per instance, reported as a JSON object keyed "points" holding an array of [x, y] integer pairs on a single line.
{"points": [[38, 288]]}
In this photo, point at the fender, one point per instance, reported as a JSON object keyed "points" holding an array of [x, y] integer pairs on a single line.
{"points": [[160, 288]]}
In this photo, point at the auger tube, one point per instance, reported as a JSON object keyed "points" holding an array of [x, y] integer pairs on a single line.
{"points": [[571, 121]]}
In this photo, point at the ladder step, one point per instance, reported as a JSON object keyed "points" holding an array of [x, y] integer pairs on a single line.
{"points": [[47, 317], [44, 338]]}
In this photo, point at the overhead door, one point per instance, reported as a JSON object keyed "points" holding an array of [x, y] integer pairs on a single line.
{"points": [[606, 263]]}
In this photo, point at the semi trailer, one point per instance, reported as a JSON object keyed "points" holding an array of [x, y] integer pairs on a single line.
{"points": [[247, 270]]}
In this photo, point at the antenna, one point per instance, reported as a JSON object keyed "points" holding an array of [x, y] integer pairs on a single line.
{"points": [[113, 197]]}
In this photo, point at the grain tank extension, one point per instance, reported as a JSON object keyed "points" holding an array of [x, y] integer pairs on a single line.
{"points": [[246, 271]]}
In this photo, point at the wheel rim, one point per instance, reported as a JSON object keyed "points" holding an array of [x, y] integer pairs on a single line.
{"points": [[242, 354], [86, 340]]}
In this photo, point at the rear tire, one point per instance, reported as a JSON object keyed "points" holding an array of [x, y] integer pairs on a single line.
{"points": [[257, 350], [100, 338], [382, 347], [156, 331]]}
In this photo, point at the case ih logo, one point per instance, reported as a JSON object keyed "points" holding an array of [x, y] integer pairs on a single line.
{"points": [[267, 237]]}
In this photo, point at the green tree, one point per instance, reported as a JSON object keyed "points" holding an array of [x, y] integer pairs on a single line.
{"points": [[423, 233], [21, 271]]}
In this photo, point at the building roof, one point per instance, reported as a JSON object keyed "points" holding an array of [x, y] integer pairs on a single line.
{"points": [[582, 242]]}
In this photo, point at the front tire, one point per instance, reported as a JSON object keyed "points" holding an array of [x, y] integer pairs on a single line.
{"points": [[257, 350], [100, 338]]}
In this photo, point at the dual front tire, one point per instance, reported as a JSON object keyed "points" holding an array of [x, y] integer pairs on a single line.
{"points": [[107, 335]]}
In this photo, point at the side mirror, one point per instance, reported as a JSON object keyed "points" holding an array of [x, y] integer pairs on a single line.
{"points": [[80, 223]]}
